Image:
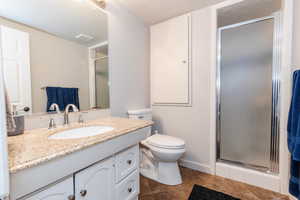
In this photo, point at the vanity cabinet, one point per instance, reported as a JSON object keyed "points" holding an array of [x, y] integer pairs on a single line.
{"points": [[95, 181], [58, 191], [114, 178]]}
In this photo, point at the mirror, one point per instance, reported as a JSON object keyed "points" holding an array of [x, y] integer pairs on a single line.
{"points": [[54, 52]]}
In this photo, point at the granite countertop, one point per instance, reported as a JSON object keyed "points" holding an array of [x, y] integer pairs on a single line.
{"points": [[34, 147]]}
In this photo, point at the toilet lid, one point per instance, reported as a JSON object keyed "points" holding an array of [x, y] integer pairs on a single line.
{"points": [[164, 141]]}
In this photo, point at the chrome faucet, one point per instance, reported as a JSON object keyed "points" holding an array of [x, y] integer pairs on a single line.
{"points": [[66, 114], [54, 107]]}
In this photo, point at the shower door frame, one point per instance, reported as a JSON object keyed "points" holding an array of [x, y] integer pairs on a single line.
{"points": [[275, 122], [95, 80]]}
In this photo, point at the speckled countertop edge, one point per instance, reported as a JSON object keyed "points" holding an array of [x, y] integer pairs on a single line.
{"points": [[34, 147]]}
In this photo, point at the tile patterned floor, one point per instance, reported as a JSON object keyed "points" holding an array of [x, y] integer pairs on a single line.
{"points": [[151, 190]]}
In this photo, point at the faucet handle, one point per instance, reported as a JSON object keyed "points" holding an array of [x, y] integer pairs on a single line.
{"points": [[80, 119], [52, 124]]}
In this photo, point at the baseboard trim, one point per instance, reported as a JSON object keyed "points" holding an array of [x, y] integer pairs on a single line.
{"points": [[195, 166]]}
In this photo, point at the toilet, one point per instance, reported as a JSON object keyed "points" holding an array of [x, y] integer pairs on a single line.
{"points": [[159, 153]]}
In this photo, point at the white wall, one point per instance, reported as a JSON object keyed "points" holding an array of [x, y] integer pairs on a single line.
{"points": [[129, 60], [4, 176], [295, 66], [193, 123], [296, 37], [247, 10]]}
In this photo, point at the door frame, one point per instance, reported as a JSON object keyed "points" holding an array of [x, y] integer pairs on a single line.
{"points": [[92, 86], [285, 77]]}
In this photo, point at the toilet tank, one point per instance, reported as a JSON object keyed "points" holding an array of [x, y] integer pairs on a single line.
{"points": [[144, 114]]}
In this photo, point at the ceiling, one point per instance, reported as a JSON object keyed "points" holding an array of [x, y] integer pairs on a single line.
{"points": [[154, 11], [63, 18]]}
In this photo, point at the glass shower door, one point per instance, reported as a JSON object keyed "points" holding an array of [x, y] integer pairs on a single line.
{"points": [[245, 93], [102, 83]]}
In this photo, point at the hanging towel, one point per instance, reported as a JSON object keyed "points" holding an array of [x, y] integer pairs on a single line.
{"points": [[294, 136], [62, 97]]}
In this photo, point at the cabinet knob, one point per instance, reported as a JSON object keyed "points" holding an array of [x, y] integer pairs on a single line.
{"points": [[129, 190], [26, 109], [184, 62], [129, 162], [83, 192], [71, 197]]}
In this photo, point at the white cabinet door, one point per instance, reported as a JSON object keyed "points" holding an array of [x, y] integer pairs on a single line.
{"points": [[170, 62], [16, 67], [96, 182], [60, 191]]}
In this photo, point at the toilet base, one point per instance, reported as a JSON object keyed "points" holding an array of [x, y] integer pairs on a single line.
{"points": [[167, 173]]}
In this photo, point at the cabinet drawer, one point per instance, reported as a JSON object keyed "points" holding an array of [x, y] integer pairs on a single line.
{"points": [[129, 188], [126, 162]]}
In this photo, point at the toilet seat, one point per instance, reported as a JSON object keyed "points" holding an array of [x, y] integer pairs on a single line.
{"points": [[166, 142]]}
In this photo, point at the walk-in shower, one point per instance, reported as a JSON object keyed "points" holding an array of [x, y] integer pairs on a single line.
{"points": [[248, 89], [99, 76], [102, 82]]}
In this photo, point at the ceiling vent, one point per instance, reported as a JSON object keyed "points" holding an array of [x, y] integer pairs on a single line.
{"points": [[84, 38]]}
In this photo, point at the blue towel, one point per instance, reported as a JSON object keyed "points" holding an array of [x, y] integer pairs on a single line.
{"points": [[62, 97], [294, 136]]}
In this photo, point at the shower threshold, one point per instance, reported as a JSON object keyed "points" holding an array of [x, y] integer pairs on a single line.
{"points": [[248, 166], [251, 175]]}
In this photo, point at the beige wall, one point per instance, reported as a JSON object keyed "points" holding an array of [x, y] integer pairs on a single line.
{"points": [[55, 62], [296, 36]]}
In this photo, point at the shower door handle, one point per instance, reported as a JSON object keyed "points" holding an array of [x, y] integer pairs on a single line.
{"points": [[219, 111]]}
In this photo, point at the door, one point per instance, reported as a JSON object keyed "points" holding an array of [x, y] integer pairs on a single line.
{"points": [[170, 63], [16, 67], [96, 182], [246, 93], [59, 191]]}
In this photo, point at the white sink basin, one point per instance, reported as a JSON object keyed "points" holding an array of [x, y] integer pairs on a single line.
{"points": [[81, 132]]}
